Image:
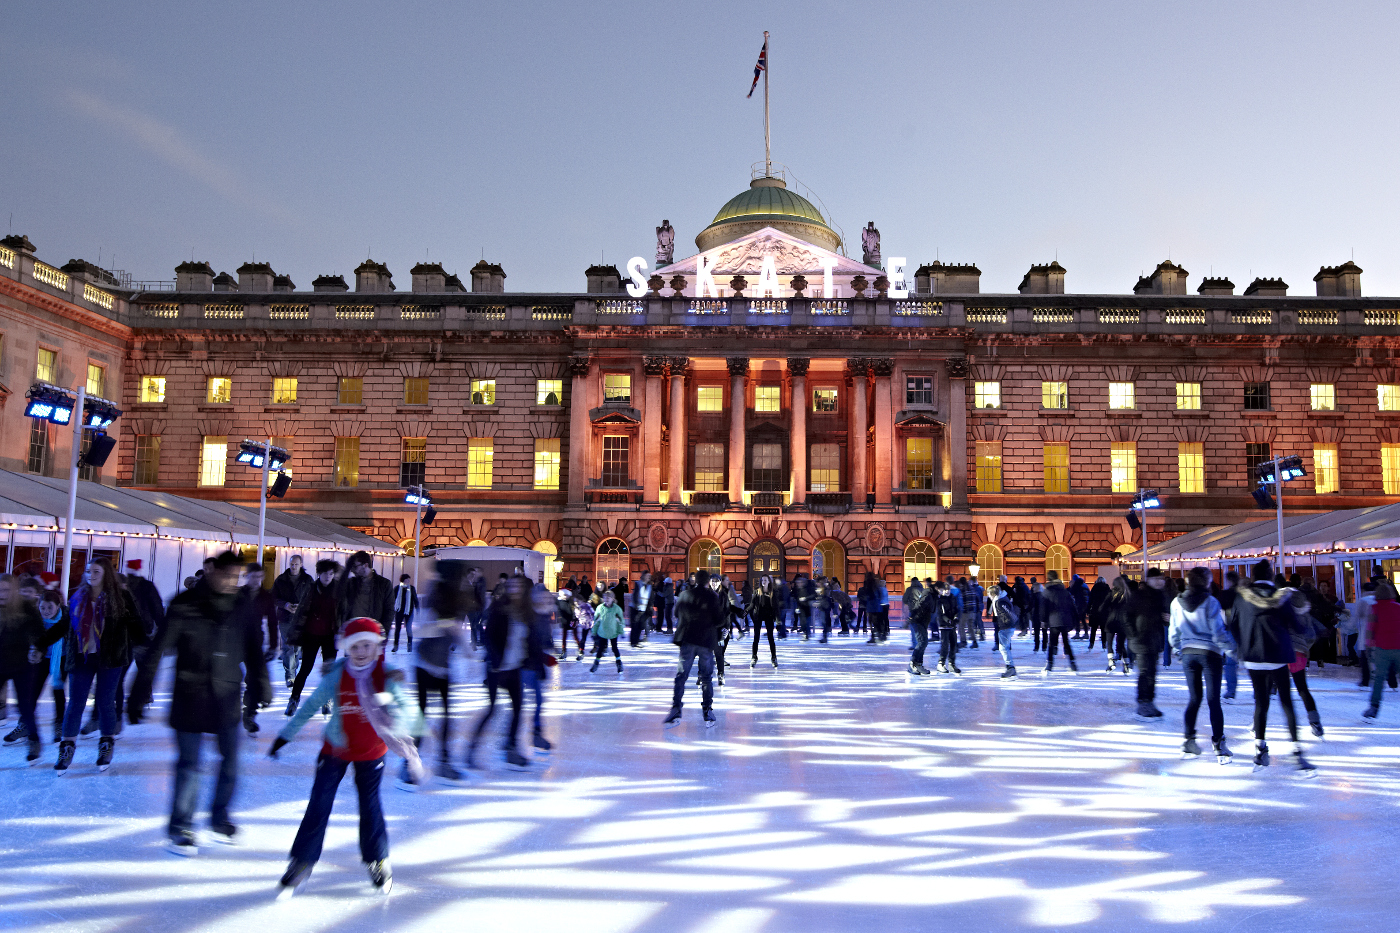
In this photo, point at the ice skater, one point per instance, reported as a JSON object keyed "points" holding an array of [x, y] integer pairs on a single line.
{"points": [[370, 716], [1198, 636], [509, 646], [1382, 636], [699, 617], [948, 612], [764, 606], [607, 629], [440, 630]]}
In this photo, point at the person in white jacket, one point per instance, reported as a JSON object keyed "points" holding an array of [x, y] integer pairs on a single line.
{"points": [[1198, 636]]}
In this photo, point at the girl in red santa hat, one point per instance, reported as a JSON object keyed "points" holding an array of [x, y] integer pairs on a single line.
{"points": [[371, 715]]}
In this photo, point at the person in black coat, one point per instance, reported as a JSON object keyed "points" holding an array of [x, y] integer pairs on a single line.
{"points": [[1145, 625], [764, 608], [1098, 610], [365, 594], [700, 616], [1262, 622], [151, 607], [22, 634], [214, 634], [1058, 613]]}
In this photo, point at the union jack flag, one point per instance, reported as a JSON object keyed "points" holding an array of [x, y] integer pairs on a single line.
{"points": [[760, 68]]}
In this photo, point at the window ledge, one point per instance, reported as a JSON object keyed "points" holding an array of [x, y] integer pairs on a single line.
{"points": [[1258, 413], [1057, 411], [347, 409], [276, 407], [412, 409], [1340, 415], [546, 409], [1124, 412], [1383, 414], [1191, 413], [470, 409], [216, 406], [149, 406], [994, 412]]}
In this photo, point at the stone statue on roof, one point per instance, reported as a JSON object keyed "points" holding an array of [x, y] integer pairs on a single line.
{"points": [[870, 245], [665, 243]]}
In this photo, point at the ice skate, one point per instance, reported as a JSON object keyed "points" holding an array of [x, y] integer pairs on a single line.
{"points": [[381, 876], [17, 735], [594, 668], [619, 667], [1049, 669], [1189, 749], [914, 669], [1112, 665], [66, 748], [924, 670], [448, 774], [404, 781], [673, 717], [292, 702], [942, 667], [1370, 714], [1261, 756], [1147, 712], [753, 664], [953, 665], [1073, 667], [1315, 722], [183, 845], [294, 878], [36, 748], [710, 719], [1223, 755], [1009, 673], [516, 761], [105, 747], [1306, 769], [224, 833], [250, 722], [542, 744]]}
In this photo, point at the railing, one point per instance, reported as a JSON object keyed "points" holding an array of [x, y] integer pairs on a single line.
{"points": [[834, 502], [766, 503], [1119, 316], [709, 501], [1052, 316], [354, 312], [708, 306], [917, 307], [1184, 316], [419, 313], [487, 312], [159, 285], [166, 311], [98, 297], [225, 312], [921, 500], [1318, 316], [986, 315], [768, 306], [1252, 317], [830, 306], [51, 276], [1381, 318], [552, 313], [7, 257], [289, 312], [619, 306]]}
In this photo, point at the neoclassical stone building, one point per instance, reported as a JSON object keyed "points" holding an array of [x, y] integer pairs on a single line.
{"points": [[768, 405]]}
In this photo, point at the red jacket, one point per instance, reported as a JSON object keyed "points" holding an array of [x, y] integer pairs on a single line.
{"points": [[1385, 625]]}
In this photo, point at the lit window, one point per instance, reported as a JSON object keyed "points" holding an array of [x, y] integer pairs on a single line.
{"points": [[546, 463], [616, 464], [1057, 558], [1055, 458], [989, 559], [709, 467], [46, 367], [918, 390], [1123, 467], [1390, 469], [920, 560], [413, 461], [1054, 395], [709, 398], [824, 400], [219, 390], [415, 390], [549, 391], [1120, 395], [146, 470], [96, 380], [39, 449], [351, 391], [483, 391], [1254, 455], [213, 461], [767, 468], [1256, 396], [1188, 396], [152, 388], [1191, 468], [617, 387], [768, 398], [1325, 468], [613, 563], [1388, 397], [284, 390], [347, 462], [1324, 396], [826, 467], [704, 555], [480, 462], [986, 395], [918, 463], [989, 466]]}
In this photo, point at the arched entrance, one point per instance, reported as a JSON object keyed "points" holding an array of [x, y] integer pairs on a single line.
{"points": [[829, 558], [704, 555], [1058, 559], [766, 557], [920, 560], [614, 563]]}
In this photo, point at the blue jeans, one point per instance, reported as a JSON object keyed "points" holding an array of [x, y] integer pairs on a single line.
{"points": [[1387, 661], [1232, 676], [186, 799], [374, 836], [688, 655], [80, 680], [918, 631], [535, 682]]}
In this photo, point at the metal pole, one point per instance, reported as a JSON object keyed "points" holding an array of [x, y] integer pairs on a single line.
{"points": [[417, 537], [77, 420], [1278, 502], [262, 499], [1143, 519], [767, 149]]}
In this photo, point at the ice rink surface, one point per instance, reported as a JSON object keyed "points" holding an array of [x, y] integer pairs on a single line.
{"points": [[837, 793]]}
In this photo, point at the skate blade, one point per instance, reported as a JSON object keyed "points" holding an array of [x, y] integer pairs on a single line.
{"points": [[1224, 759], [1306, 775], [384, 889], [407, 786], [182, 851], [711, 724]]}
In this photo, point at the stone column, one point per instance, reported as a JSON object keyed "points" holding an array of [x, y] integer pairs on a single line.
{"points": [[738, 371], [957, 430], [857, 368], [655, 368], [677, 365], [797, 369], [580, 429], [884, 429]]}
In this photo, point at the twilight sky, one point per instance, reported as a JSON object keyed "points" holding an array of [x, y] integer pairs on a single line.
{"points": [[1247, 139]]}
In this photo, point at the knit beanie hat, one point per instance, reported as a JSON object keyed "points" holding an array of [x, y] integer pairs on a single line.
{"points": [[360, 629]]}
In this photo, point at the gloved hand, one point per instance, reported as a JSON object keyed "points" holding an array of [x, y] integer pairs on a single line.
{"points": [[277, 744]]}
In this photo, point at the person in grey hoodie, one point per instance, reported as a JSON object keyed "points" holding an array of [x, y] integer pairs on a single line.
{"points": [[1198, 636]]}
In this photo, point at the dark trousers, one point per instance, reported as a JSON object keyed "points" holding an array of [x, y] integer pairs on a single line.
{"points": [[641, 619], [1366, 662], [374, 836], [1094, 627], [529, 680], [25, 692], [920, 629], [80, 680], [326, 647], [510, 682], [1147, 673], [1300, 680], [1036, 629], [403, 620], [186, 797], [39, 675], [429, 684], [948, 644], [880, 623], [601, 645], [474, 619], [758, 628], [1263, 682], [1203, 670], [1053, 637], [688, 656], [1116, 643]]}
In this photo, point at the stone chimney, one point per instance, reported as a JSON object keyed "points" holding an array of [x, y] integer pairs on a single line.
{"points": [[488, 277], [1167, 279], [84, 271], [453, 284], [939, 279], [223, 282], [1267, 288], [1216, 286], [283, 283], [428, 277], [1342, 281], [194, 277], [604, 280], [329, 283], [1044, 280], [255, 277], [373, 278]]}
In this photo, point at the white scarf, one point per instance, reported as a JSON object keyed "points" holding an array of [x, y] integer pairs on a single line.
{"points": [[373, 704]]}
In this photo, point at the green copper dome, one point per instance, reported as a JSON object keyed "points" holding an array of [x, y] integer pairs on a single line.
{"points": [[768, 203]]}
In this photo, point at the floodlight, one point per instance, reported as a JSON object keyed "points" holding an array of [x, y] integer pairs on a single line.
{"points": [[278, 489]]}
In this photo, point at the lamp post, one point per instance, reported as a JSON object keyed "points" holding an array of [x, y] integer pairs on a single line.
{"points": [[261, 457], [1277, 472], [418, 497], [1137, 516]]}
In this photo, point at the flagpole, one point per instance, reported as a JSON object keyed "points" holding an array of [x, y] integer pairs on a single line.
{"points": [[767, 147]]}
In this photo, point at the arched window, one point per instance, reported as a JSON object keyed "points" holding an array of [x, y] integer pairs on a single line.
{"points": [[407, 544], [1057, 558], [920, 560], [552, 566], [704, 555], [989, 559], [476, 542], [829, 558], [613, 562]]}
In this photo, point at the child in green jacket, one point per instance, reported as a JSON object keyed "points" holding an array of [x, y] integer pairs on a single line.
{"points": [[607, 628]]}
